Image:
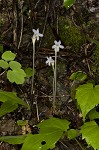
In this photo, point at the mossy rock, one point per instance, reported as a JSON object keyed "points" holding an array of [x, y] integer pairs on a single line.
{"points": [[70, 34]]}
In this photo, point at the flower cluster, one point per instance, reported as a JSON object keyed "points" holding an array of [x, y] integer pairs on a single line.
{"points": [[56, 47]]}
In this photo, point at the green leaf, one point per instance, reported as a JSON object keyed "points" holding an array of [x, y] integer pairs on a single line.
{"points": [[3, 64], [72, 133], [93, 114], [79, 75], [87, 97], [14, 65], [8, 56], [60, 124], [51, 131], [68, 3], [90, 132], [1, 48], [7, 107], [29, 72], [17, 76], [11, 96], [22, 122], [13, 139]]}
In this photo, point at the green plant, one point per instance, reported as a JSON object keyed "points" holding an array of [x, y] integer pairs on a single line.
{"points": [[10, 102], [87, 96], [29, 72], [90, 132], [13, 68], [68, 3], [50, 131]]}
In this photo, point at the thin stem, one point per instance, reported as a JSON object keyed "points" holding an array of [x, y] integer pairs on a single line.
{"points": [[55, 69], [32, 84], [37, 111], [54, 95], [79, 144], [3, 72], [87, 61], [21, 29], [54, 91], [64, 144]]}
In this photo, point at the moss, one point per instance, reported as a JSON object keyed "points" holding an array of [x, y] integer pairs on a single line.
{"points": [[70, 34], [95, 67]]}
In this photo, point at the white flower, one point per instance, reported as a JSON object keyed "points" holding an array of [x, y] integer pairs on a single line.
{"points": [[37, 34], [50, 61], [57, 46]]}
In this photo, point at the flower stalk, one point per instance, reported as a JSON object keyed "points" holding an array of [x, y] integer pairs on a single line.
{"points": [[34, 38], [50, 61], [32, 85], [56, 48]]}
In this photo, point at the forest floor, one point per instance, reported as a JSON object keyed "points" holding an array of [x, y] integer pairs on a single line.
{"points": [[82, 25]]}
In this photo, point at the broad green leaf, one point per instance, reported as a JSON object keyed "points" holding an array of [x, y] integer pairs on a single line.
{"points": [[60, 124], [14, 65], [8, 56], [11, 96], [7, 107], [1, 48], [68, 3], [29, 72], [72, 133], [51, 131], [13, 139], [3, 64], [79, 75], [90, 132], [87, 97], [17, 76], [22, 122], [10, 76], [35, 142], [93, 114]]}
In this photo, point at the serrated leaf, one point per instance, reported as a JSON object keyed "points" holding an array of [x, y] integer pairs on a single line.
{"points": [[13, 139], [22, 122], [90, 132], [3, 64], [8, 56], [51, 131], [93, 114], [72, 133], [79, 75], [7, 107], [29, 72], [87, 97], [11, 96], [14, 65], [68, 3], [17, 76]]}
